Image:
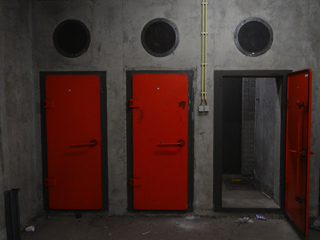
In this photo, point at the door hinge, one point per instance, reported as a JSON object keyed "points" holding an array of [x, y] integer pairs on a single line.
{"points": [[134, 182], [300, 200], [302, 104], [47, 103], [133, 103], [50, 182]]}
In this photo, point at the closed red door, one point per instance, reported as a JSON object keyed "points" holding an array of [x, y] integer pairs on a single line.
{"points": [[73, 141], [160, 141], [298, 147]]}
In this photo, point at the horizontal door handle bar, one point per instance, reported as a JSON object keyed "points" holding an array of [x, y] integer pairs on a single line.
{"points": [[303, 153], [92, 143], [180, 143], [293, 151]]}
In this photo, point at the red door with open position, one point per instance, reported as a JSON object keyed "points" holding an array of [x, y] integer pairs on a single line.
{"points": [[73, 141], [299, 85], [160, 141]]}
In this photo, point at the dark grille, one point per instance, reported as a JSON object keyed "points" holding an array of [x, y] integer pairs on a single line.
{"points": [[71, 38], [253, 37], [159, 37]]}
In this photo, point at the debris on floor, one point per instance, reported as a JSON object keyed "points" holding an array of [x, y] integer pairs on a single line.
{"points": [[191, 218], [316, 225], [244, 220], [260, 217], [30, 228]]}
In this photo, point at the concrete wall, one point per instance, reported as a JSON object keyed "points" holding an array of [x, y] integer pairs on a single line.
{"points": [[267, 134], [18, 163], [2, 217], [314, 45], [115, 28]]}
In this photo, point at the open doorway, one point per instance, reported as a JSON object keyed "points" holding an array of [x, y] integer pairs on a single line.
{"points": [[249, 123]]}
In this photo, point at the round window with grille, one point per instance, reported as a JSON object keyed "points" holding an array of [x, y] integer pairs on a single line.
{"points": [[71, 38], [253, 37], [160, 37]]}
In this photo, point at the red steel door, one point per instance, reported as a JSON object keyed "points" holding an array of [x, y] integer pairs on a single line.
{"points": [[298, 147], [73, 141], [160, 141]]}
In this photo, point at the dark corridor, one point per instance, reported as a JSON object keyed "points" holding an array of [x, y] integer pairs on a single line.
{"points": [[231, 125]]}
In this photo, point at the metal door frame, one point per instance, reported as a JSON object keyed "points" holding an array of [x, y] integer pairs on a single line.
{"points": [[104, 136], [280, 75], [190, 74]]}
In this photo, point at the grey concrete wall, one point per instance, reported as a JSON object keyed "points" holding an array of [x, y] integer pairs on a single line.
{"points": [[267, 135], [115, 28], [314, 46], [247, 127], [2, 217], [18, 164]]}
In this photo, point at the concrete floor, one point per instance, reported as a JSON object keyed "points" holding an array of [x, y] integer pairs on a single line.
{"points": [[98, 226], [245, 198]]}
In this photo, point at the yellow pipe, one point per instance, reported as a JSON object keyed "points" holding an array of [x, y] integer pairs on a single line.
{"points": [[205, 51], [202, 51]]}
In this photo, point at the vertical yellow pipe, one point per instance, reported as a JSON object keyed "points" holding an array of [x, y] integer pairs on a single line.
{"points": [[205, 51], [202, 51]]}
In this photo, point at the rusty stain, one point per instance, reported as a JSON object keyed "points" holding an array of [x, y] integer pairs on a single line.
{"points": [[182, 104], [141, 116]]}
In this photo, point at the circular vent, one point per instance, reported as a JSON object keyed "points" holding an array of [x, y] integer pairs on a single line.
{"points": [[253, 37], [71, 38], [160, 37]]}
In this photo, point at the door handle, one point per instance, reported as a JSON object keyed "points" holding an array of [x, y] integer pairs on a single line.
{"points": [[92, 143], [180, 143]]}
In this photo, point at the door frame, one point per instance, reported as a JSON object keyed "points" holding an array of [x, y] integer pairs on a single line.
{"points": [[129, 75], [281, 76], [104, 145]]}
